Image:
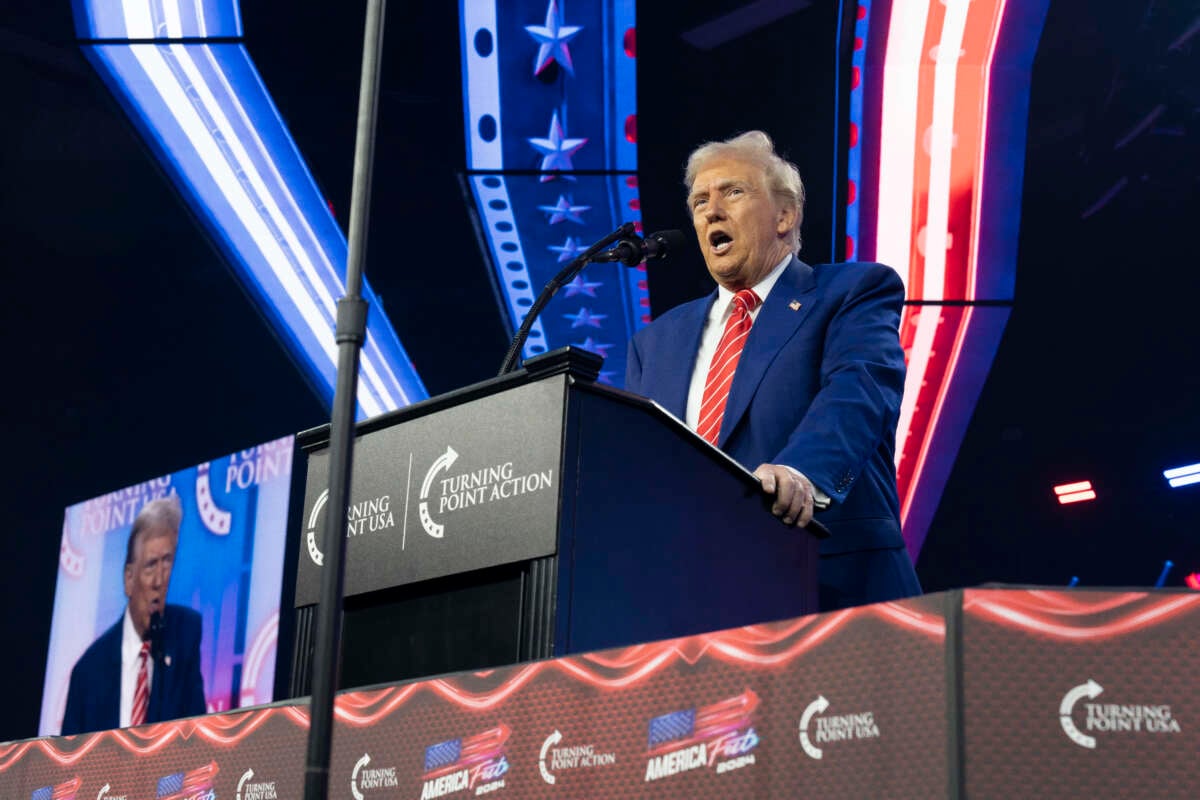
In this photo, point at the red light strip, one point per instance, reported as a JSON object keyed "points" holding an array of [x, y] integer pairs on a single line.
{"points": [[1014, 615]]}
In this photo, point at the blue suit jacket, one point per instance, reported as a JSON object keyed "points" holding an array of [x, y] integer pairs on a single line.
{"points": [[818, 388], [176, 690]]}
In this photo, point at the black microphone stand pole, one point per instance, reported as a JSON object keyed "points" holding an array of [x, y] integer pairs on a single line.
{"points": [[351, 331]]}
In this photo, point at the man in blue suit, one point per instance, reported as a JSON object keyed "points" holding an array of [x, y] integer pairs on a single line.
{"points": [[104, 682], [815, 392]]}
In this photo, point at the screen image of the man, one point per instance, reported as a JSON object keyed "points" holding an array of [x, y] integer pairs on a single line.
{"points": [[146, 667]]}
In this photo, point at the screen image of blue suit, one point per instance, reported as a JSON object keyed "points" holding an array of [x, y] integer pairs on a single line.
{"points": [[818, 388], [176, 689]]}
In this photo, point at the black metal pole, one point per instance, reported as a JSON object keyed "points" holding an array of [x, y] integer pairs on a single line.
{"points": [[351, 331]]}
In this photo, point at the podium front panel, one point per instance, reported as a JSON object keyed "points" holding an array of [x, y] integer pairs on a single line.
{"points": [[463, 488]]}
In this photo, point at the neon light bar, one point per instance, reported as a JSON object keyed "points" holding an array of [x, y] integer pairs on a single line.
{"points": [[1193, 580], [1075, 492], [1182, 476], [206, 114]]}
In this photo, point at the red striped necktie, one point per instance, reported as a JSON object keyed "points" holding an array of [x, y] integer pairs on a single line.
{"points": [[724, 364], [141, 693]]}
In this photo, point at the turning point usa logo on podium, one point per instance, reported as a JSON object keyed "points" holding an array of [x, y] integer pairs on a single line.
{"points": [[464, 488]]}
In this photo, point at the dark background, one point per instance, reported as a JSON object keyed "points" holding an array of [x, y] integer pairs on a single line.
{"points": [[132, 352]]}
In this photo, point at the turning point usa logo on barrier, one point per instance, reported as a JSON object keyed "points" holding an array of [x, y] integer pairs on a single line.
{"points": [[720, 735], [833, 728], [476, 763], [1110, 717]]}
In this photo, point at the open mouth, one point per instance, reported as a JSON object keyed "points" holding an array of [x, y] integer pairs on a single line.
{"points": [[720, 242]]}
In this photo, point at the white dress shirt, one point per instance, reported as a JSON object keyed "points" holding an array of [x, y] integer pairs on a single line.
{"points": [[714, 329], [131, 645]]}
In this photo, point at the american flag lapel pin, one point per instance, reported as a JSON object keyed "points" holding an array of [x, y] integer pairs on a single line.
{"points": [[167, 660], [794, 305]]}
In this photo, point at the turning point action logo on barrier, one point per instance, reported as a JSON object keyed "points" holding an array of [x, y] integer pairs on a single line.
{"points": [[552, 758], [370, 779], [1110, 717], [476, 763], [834, 728], [720, 735]]}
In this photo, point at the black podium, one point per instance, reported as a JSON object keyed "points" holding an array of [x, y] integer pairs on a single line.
{"points": [[537, 515]]}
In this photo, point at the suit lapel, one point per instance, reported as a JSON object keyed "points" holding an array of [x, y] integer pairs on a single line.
{"points": [[677, 380], [773, 326]]}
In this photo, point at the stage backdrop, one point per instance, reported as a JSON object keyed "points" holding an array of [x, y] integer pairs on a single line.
{"points": [[229, 567]]}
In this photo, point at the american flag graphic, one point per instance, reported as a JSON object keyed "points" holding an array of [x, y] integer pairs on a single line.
{"points": [[688, 726], [61, 791], [455, 754], [186, 785]]}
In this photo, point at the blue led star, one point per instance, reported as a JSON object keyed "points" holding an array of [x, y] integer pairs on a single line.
{"points": [[552, 40], [581, 286], [556, 149], [564, 209], [592, 346], [567, 251], [585, 317]]}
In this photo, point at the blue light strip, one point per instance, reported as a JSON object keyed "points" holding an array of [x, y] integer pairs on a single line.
{"points": [[550, 99], [210, 121], [1182, 476]]}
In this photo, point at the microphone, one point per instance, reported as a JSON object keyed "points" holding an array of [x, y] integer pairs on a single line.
{"points": [[154, 633], [634, 250]]}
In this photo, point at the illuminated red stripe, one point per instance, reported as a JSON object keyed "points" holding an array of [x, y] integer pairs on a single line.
{"points": [[1076, 497]]}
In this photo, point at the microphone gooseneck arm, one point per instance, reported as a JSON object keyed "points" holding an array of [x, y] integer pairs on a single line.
{"points": [[518, 343]]}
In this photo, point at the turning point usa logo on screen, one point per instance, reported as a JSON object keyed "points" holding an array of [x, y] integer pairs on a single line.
{"points": [[476, 763], [719, 735]]}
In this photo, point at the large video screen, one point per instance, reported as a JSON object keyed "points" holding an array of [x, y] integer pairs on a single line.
{"points": [[214, 595]]}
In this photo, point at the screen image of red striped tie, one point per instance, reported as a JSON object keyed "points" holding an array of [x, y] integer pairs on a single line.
{"points": [[141, 692], [724, 365]]}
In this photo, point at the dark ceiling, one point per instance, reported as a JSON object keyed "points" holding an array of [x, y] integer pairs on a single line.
{"points": [[134, 353]]}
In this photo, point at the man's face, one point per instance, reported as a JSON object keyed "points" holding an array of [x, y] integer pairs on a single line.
{"points": [[742, 227], [147, 577]]}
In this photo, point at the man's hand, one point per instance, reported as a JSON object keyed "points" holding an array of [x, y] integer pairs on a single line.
{"points": [[793, 493]]}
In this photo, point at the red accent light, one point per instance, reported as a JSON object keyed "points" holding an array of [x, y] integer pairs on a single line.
{"points": [[1193, 580], [644, 302], [637, 226], [635, 205], [642, 285], [858, 43], [630, 42], [1074, 492], [631, 129], [646, 318], [862, 12], [849, 247], [1076, 497], [855, 77], [851, 192], [1067, 488], [853, 135], [631, 181]]}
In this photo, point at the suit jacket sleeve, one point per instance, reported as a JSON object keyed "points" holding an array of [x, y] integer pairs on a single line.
{"points": [[633, 368], [854, 412], [192, 702]]}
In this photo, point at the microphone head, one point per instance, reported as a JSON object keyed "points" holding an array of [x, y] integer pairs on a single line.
{"points": [[662, 243]]}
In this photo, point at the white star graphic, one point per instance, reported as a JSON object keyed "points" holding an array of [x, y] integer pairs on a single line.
{"points": [[556, 149], [567, 251], [592, 346], [581, 286], [564, 209], [552, 40], [585, 317]]}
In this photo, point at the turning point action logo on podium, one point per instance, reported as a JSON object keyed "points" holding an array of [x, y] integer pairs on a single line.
{"points": [[1110, 717], [442, 493], [477, 487]]}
